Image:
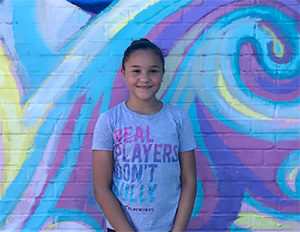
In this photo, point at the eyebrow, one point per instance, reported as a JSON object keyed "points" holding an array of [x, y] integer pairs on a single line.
{"points": [[137, 66]]}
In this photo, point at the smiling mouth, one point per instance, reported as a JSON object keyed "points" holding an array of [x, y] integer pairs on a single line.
{"points": [[144, 87]]}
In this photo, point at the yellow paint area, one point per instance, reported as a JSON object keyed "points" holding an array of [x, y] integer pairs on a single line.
{"points": [[52, 226], [278, 47], [254, 221], [236, 104], [16, 142], [131, 16], [55, 226], [292, 177]]}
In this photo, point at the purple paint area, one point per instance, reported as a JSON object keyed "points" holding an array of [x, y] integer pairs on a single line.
{"points": [[192, 16], [119, 92], [283, 37], [291, 88], [259, 180], [208, 180], [161, 26], [230, 190], [290, 8], [85, 159], [280, 202], [260, 83]]}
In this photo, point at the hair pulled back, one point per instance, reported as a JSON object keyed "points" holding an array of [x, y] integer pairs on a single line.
{"points": [[143, 44]]}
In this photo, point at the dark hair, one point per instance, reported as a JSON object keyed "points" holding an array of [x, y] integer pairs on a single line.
{"points": [[143, 44]]}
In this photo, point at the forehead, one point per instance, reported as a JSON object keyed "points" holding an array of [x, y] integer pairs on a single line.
{"points": [[143, 56]]}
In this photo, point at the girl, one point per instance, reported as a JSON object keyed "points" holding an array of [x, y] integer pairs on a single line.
{"points": [[144, 171]]}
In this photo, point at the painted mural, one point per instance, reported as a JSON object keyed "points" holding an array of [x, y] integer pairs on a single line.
{"points": [[233, 65]]}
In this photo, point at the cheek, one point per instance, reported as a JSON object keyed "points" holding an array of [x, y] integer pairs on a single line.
{"points": [[130, 80], [158, 79]]}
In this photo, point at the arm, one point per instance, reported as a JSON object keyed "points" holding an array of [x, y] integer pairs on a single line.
{"points": [[188, 190], [102, 180]]}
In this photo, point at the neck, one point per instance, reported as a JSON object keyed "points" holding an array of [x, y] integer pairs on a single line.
{"points": [[144, 107]]}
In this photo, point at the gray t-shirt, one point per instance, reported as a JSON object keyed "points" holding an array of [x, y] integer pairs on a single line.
{"points": [[146, 174]]}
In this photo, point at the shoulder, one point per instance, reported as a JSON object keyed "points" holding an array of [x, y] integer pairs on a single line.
{"points": [[175, 110], [112, 111], [176, 115], [111, 115]]}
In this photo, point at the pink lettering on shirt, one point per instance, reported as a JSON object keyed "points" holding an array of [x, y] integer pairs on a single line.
{"points": [[139, 134], [148, 135], [127, 134], [118, 135]]}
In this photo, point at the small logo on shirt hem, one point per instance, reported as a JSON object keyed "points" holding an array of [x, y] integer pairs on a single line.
{"points": [[137, 209]]}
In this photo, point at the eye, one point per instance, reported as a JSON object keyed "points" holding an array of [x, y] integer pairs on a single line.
{"points": [[154, 71], [136, 71]]}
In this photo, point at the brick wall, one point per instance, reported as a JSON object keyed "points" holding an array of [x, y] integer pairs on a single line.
{"points": [[233, 65]]}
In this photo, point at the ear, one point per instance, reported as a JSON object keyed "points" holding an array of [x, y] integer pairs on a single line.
{"points": [[123, 74]]}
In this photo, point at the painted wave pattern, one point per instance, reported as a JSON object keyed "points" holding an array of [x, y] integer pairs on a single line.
{"points": [[234, 65]]}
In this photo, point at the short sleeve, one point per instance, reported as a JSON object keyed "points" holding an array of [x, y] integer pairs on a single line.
{"points": [[186, 136], [103, 136]]}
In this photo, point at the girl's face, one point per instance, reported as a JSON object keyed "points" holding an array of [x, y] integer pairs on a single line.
{"points": [[143, 74]]}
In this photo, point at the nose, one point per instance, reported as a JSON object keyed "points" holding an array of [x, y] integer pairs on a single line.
{"points": [[144, 77]]}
